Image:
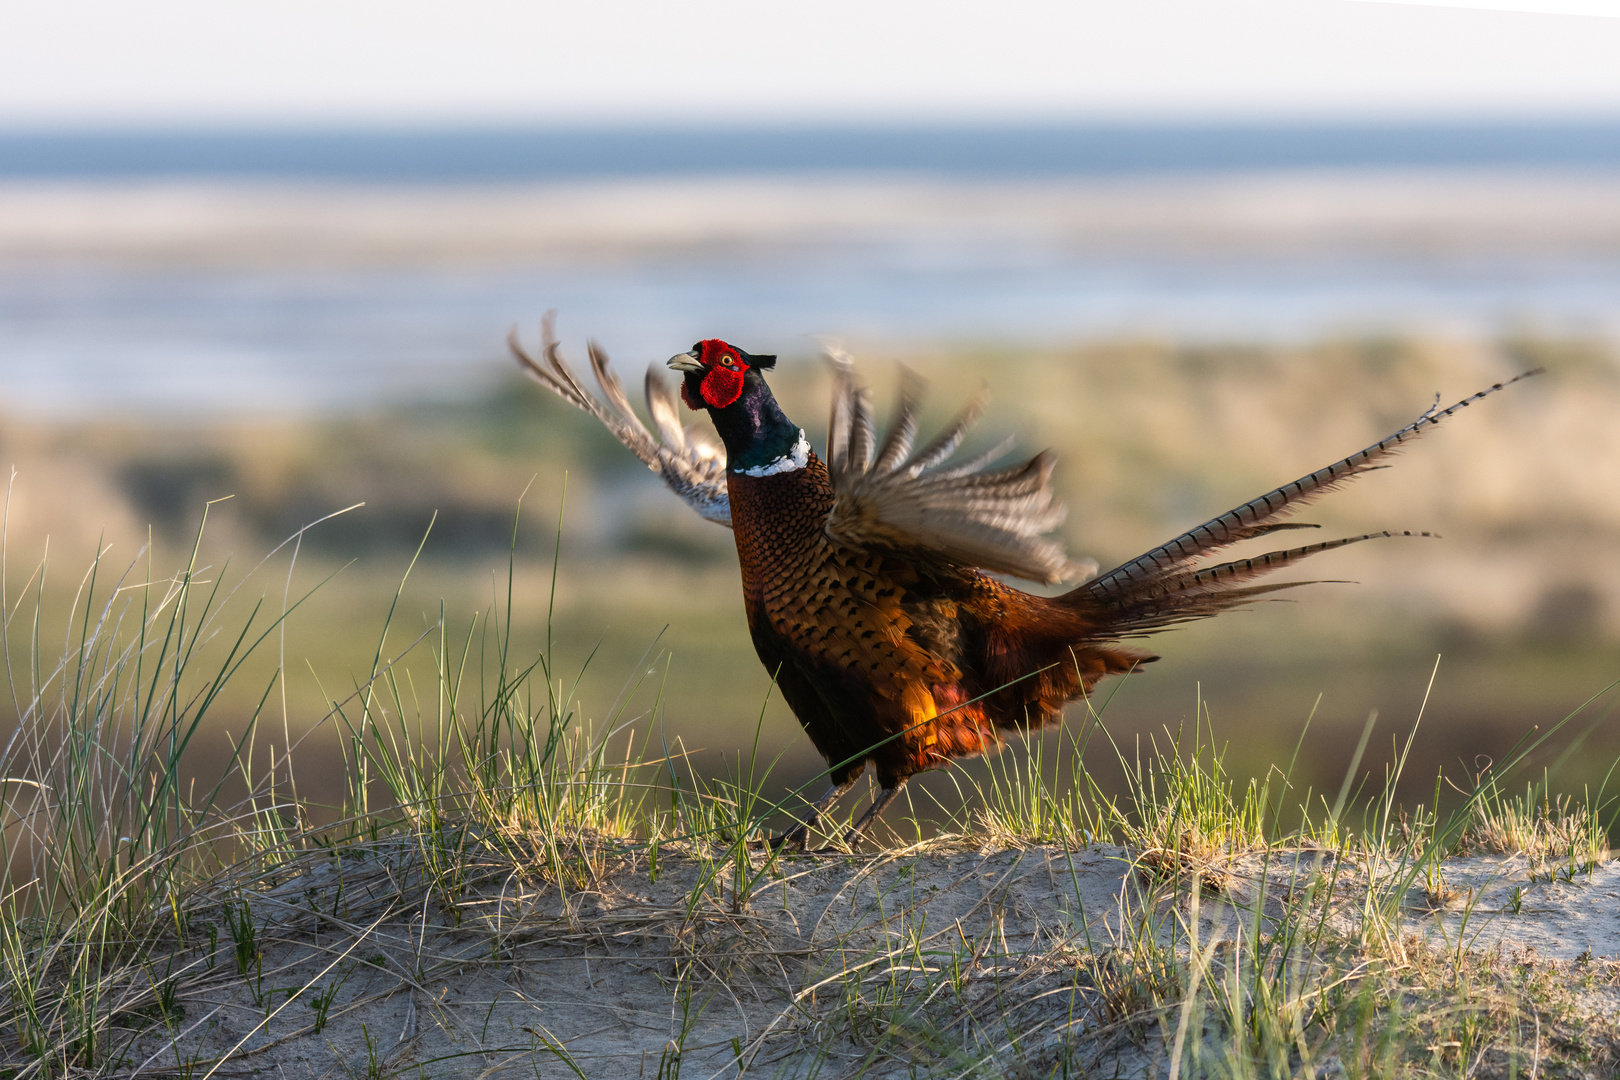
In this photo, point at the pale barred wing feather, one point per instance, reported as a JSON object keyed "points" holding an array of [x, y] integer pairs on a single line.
{"points": [[693, 469], [850, 431], [1258, 516], [665, 411], [888, 496], [946, 442]]}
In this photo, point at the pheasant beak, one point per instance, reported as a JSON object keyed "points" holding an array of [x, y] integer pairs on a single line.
{"points": [[686, 361]]}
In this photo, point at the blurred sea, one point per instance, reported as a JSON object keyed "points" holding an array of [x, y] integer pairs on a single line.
{"points": [[296, 271], [1005, 150]]}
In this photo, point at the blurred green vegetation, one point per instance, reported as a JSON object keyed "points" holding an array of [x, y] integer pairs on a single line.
{"points": [[1519, 600]]}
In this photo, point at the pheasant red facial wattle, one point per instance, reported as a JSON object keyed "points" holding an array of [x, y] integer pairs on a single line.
{"points": [[722, 382]]}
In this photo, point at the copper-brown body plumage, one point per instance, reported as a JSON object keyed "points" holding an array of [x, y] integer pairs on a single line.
{"points": [[895, 660]]}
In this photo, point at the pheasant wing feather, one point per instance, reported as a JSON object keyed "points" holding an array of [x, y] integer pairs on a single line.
{"points": [[693, 470], [887, 496]]}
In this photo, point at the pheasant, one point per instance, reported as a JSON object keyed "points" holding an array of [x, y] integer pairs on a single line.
{"points": [[866, 576]]}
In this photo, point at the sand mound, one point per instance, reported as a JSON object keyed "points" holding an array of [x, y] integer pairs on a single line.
{"points": [[937, 961]]}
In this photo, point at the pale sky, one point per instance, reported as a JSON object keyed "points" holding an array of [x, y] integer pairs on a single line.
{"points": [[225, 62]]}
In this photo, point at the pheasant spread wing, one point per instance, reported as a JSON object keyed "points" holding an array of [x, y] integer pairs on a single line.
{"points": [[888, 494], [693, 469]]}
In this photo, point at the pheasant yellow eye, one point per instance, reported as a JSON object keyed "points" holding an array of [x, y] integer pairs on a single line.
{"points": [[728, 361]]}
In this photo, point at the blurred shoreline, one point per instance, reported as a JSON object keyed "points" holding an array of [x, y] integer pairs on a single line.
{"points": [[1314, 214]]}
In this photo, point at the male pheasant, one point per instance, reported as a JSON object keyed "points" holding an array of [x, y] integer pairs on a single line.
{"points": [[864, 575]]}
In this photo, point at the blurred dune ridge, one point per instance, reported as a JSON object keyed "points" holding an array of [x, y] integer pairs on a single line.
{"points": [[1395, 213], [1152, 437]]}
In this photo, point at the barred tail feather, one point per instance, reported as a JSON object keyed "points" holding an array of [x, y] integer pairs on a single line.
{"points": [[1198, 594], [1258, 516]]}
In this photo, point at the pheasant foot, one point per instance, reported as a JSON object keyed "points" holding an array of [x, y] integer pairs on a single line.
{"points": [[798, 837], [879, 804]]}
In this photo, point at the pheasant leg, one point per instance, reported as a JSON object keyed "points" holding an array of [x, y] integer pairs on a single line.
{"points": [[798, 837], [879, 804]]}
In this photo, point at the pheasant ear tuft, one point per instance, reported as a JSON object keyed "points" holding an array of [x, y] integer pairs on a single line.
{"points": [[763, 363]]}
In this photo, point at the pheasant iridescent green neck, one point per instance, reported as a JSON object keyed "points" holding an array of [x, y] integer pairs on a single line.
{"points": [[760, 440]]}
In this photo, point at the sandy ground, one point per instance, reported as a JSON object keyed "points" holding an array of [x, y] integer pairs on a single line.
{"points": [[638, 974]]}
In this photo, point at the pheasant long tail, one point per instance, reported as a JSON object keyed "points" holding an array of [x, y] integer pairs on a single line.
{"points": [[1161, 587]]}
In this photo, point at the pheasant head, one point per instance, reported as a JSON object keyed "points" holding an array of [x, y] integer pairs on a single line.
{"points": [[717, 373], [726, 382]]}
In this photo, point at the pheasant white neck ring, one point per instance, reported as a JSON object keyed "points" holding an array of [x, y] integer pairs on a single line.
{"points": [[795, 459]]}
